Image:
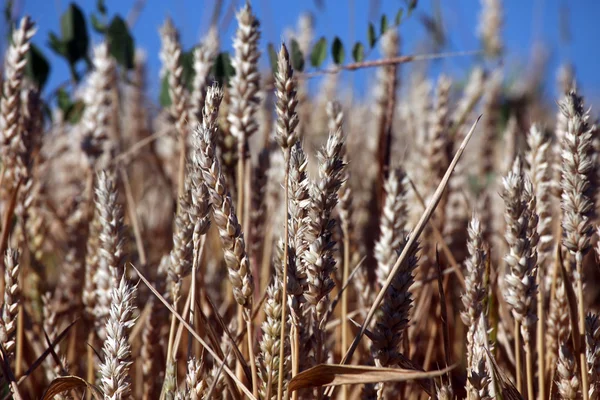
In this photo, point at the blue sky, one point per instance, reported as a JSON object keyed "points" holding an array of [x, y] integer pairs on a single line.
{"points": [[526, 22]]}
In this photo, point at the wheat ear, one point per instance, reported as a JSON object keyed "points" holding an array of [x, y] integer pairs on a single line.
{"points": [[114, 370], [12, 299], [10, 103], [577, 199]]}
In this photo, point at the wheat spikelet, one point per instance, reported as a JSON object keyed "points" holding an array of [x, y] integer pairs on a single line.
{"points": [[539, 171], [392, 224], [111, 248], [285, 90], [271, 342], [10, 104], [475, 291], [318, 258], [245, 83], [225, 218], [171, 56], [12, 298], [299, 208], [204, 56], [592, 339], [577, 164], [491, 20], [96, 121], [393, 320], [478, 375], [568, 383], [194, 380], [114, 370], [521, 236]]}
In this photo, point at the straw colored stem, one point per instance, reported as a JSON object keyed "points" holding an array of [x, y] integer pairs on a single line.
{"points": [[541, 353], [250, 330], [581, 311], [518, 357], [344, 325], [529, 367]]}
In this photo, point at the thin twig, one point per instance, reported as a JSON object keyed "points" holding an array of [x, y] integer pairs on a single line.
{"points": [[387, 61]]}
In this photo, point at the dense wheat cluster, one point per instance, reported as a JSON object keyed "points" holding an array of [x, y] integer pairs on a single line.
{"points": [[259, 239]]}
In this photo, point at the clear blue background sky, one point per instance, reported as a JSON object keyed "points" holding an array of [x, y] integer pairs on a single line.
{"points": [[526, 22]]}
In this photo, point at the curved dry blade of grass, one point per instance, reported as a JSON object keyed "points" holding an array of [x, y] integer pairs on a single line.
{"points": [[65, 383], [194, 334], [335, 375], [411, 242]]}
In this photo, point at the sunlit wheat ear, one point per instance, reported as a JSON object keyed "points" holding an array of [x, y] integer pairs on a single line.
{"points": [[440, 148], [577, 165], [592, 339], [270, 342], [285, 90], [299, 207], [225, 219], [475, 291], [558, 325], [470, 97], [318, 258], [491, 19], [204, 56], [522, 238], [180, 264], [478, 375], [195, 380], [114, 370], [10, 105], [245, 83], [97, 116], [12, 299], [568, 383], [395, 309], [539, 171], [111, 250], [171, 57], [392, 224]]}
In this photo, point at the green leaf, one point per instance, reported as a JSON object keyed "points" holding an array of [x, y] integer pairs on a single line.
{"points": [[74, 33], [75, 112], [101, 7], [358, 52], [272, 58], [120, 42], [372, 36], [98, 26], [222, 68], [318, 53], [164, 97], [57, 45], [37, 68], [398, 18], [412, 4], [297, 56], [63, 100], [337, 51], [187, 62], [384, 24]]}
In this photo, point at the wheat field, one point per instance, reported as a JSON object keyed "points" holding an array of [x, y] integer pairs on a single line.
{"points": [[256, 239]]}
